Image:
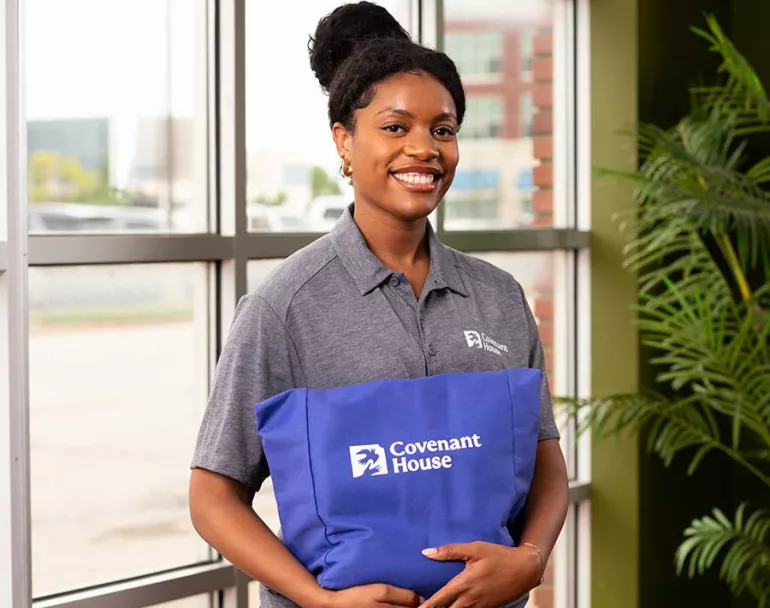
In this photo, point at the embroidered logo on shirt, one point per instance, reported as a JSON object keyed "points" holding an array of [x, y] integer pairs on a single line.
{"points": [[474, 339], [479, 340], [368, 460]]}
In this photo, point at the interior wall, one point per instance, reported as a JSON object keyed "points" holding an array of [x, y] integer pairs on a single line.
{"points": [[614, 465]]}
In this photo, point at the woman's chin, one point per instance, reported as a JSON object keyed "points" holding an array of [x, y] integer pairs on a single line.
{"points": [[413, 208], [404, 206]]}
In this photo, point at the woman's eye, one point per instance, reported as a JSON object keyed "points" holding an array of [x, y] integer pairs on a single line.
{"points": [[393, 128], [444, 132]]}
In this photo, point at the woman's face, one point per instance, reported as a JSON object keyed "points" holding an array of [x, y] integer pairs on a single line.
{"points": [[403, 152]]}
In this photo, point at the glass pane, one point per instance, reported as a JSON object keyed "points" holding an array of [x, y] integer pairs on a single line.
{"points": [[116, 116], [118, 384], [294, 183], [548, 284], [505, 54]]}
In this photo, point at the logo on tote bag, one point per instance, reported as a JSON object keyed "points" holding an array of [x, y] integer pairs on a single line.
{"points": [[368, 460]]}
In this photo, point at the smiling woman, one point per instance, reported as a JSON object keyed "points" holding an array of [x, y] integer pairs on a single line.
{"points": [[413, 153], [394, 108], [380, 297]]}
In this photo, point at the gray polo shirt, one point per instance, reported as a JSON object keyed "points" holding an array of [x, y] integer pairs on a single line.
{"points": [[332, 314]]}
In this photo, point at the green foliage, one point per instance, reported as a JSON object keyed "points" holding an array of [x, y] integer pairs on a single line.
{"points": [[276, 200], [55, 177], [321, 183], [746, 565], [699, 242]]}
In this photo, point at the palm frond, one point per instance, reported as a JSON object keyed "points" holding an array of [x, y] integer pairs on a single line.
{"points": [[741, 545], [734, 64], [760, 173], [691, 174], [714, 347]]}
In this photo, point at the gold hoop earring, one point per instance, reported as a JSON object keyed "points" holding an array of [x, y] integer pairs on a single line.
{"points": [[347, 168]]}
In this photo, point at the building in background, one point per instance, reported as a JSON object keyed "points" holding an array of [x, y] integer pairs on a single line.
{"points": [[507, 70]]}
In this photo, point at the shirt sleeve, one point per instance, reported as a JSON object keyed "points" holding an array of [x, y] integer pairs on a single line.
{"points": [[548, 427], [257, 362]]}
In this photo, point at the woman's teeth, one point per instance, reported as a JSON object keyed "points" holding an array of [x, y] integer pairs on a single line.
{"points": [[415, 178]]}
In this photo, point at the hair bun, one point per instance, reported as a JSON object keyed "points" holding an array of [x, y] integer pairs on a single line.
{"points": [[338, 33]]}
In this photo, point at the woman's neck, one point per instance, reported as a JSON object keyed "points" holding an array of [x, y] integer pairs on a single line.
{"points": [[401, 246]]}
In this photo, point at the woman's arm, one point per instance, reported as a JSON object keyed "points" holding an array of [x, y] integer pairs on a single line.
{"points": [[221, 513], [548, 499]]}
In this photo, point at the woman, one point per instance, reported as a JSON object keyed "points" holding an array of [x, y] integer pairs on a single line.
{"points": [[379, 297]]}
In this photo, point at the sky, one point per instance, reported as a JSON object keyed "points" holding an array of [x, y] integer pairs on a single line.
{"points": [[109, 58]]}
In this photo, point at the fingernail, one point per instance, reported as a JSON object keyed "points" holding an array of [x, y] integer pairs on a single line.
{"points": [[429, 551]]}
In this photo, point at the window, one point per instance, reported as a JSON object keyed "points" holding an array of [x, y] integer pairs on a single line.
{"points": [[526, 113], [526, 50], [512, 123], [115, 125], [478, 55], [137, 258], [293, 170], [484, 118], [118, 382]]}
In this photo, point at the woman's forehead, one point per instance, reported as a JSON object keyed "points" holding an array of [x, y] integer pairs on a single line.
{"points": [[417, 94]]}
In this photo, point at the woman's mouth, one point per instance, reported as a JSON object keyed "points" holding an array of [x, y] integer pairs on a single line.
{"points": [[417, 182]]}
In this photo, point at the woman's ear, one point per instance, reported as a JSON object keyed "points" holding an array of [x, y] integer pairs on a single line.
{"points": [[342, 139]]}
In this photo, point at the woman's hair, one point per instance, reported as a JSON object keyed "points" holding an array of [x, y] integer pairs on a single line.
{"points": [[361, 44]]}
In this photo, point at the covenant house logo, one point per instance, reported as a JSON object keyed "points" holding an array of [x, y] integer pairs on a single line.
{"points": [[477, 340], [372, 459]]}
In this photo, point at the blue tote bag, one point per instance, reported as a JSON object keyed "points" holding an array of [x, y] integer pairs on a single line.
{"points": [[367, 476]]}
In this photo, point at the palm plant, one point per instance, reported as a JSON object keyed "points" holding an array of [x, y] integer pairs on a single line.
{"points": [[699, 242]]}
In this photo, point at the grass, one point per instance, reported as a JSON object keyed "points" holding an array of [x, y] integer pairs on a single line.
{"points": [[110, 316]]}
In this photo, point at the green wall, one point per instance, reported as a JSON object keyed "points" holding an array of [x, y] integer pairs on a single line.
{"points": [[615, 500]]}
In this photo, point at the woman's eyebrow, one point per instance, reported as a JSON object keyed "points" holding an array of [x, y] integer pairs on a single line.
{"points": [[407, 114], [399, 111]]}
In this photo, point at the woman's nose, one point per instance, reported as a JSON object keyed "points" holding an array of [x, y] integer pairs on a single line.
{"points": [[421, 145]]}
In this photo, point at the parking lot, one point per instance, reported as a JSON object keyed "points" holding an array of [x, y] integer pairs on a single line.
{"points": [[114, 414]]}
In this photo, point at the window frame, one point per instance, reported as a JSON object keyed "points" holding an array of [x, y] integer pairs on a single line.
{"points": [[228, 247]]}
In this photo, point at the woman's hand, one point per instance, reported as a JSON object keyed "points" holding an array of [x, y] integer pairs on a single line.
{"points": [[371, 596], [494, 575]]}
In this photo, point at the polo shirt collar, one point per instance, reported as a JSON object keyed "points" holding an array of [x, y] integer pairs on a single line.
{"points": [[369, 273]]}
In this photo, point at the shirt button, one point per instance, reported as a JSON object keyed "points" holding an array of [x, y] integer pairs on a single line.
{"points": [[394, 282], [431, 351]]}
